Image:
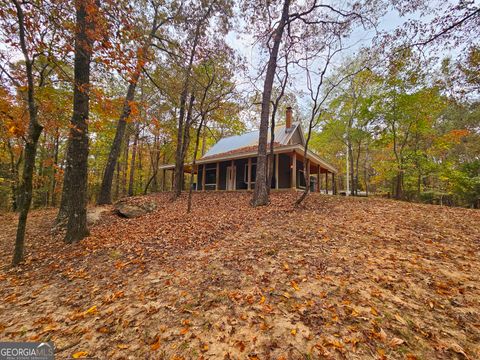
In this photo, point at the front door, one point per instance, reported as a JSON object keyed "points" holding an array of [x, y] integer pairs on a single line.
{"points": [[231, 176]]}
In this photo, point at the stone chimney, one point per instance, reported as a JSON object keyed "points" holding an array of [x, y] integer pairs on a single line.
{"points": [[288, 123]]}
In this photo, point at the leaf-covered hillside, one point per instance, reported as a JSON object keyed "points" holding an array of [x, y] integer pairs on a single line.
{"points": [[339, 278]]}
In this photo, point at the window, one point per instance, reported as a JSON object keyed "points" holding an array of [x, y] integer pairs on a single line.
{"points": [[301, 179], [210, 176], [254, 173]]}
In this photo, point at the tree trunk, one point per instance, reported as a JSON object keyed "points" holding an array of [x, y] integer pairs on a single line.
{"points": [[140, 164], [40, 184], [179, 153], [419, 185], [190, 189], [14, 165], [399, 185], [117, 181], [352, 169], [132, 163], [55, 165], [365, 170], [125, 164], [204, 141], [178, 172], [105, 195], [76, 170], [154, 164], [357, 164], [260, 195], [33, 134]]}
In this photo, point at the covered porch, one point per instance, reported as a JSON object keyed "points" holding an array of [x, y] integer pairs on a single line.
{"points": [[235, 173]]}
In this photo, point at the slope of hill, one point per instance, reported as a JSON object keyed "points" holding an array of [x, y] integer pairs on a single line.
{"points": [[339, 278]]}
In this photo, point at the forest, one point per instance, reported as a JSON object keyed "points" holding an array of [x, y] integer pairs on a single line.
{"points": [[95, 97], [379, 259]]}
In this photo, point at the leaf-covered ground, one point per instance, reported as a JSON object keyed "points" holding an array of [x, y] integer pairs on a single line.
{"points": [[342, 278]]}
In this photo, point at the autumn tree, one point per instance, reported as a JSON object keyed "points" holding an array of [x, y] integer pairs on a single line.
{"points": [[159, 18], [210, 18], [22, 23], [215, 88]]}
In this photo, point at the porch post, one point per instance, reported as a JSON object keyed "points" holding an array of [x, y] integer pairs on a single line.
{"points": [[268, 170], [326, 182], [195, 171], [203, 176], [318, 178], [306, 169], [294, 171], [164, 173], [217, 177], [234, 175], [173, 179], [334, 184], [276, 170], [249, 173]]}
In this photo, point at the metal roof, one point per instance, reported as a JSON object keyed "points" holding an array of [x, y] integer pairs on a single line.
{"points": [[249, 139], [239, 146]]}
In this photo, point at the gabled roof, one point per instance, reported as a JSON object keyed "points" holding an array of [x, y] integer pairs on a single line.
{"points": [[248, 141]]}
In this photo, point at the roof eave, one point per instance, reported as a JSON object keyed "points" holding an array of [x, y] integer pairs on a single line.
{"points": [[277, 150]]}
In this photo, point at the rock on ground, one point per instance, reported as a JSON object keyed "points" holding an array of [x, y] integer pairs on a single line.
{"points": [[128, 209]]}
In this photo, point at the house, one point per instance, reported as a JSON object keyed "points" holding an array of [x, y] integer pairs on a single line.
{"points": [[231, 163]]}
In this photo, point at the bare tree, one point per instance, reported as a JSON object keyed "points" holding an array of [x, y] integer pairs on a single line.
{"points": [[319, 94], [283, 80], [260, 195], [313, 18]]}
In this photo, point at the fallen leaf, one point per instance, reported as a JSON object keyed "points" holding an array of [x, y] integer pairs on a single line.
{"points": [[103, 330], [335, 343], [240, 345], [381, 353], [79, 354], [396, 341], [155, 345], [92, 310]]}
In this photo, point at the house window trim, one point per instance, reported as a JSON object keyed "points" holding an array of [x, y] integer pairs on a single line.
{"points": [[245, 173], [299, 182], [300, 176], [210, 184]]}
